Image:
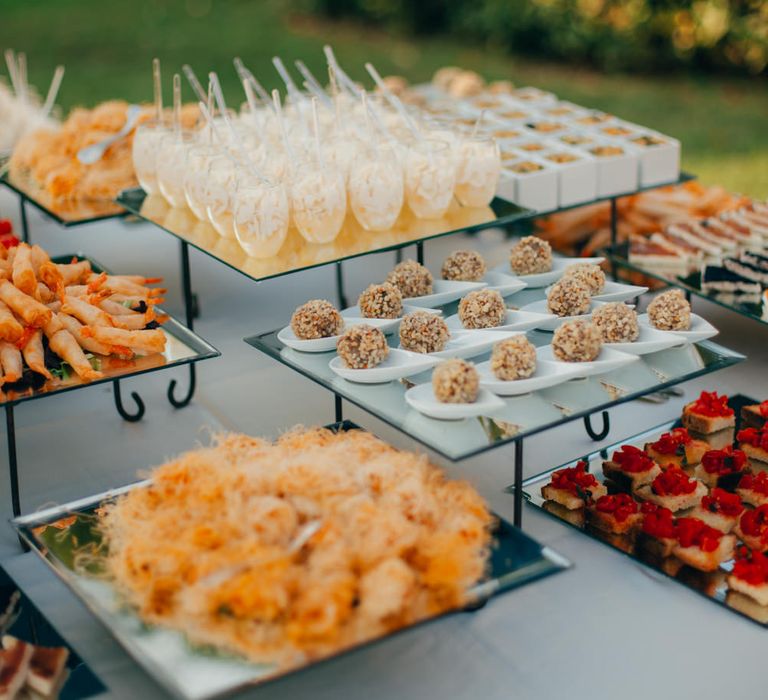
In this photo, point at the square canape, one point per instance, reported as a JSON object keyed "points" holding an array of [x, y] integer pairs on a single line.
{"points": [[630, 468], [577, 176], [677, 447], [752, 528], [701, 546], [719, 509], [721, 467], [753, 489], [754, 443], [750, 575], [617, 169], [572, 487], [755, 415], [659, 157], [673, 489], [710, 413], [530, 183], [657, 530], [618, 513]]}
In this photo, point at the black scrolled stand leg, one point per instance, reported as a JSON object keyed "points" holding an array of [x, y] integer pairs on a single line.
{"points": [[130, 417], [24, 222], [518, 515], [338, 411], [420, 252], [13, 467], [340, 286], [190, 391], [603, 433]]}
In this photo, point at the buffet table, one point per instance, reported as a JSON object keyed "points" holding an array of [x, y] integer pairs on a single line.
{"points": [[579, 629]]}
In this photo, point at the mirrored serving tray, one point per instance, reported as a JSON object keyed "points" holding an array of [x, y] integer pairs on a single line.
{"points": [[522, 415], [711, 585], [296, 253], [58, 534], [619, 255], [65, 213], [182, 346]]}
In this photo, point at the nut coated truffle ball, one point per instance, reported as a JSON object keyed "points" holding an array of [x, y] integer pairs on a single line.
{"points": [[381, 301], [483, 308], [362, 347], [455, 381], [591, 276], [616, 322], [423, 332], [530, 256], [316, 319], [670, 311], [576, 341], [411, 278], [513, 358], [568, 297], [465, 266]]}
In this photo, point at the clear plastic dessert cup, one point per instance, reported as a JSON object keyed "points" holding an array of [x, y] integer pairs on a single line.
{"points": [[430, 176], [222, 180], [196, 177], [261, 215], [376, 190], [318, 202], [479, 169], [146, 142], [171, 165]]}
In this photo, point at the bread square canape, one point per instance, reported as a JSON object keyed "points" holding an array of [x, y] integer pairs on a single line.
{"points": [[754, 443], [617, 513], [572, 487], [753, 489], [750, 575], [719, 509], [710, 413], [630, 468], [677, 447], [673, 489], [721, 468], [701, 546], [755, 415], [752, 528], [657, 530]]}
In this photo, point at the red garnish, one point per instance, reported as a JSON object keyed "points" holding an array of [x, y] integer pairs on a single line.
{"points": [[673, 482], [720, 501], [750, 566], [621, 506], [692, 532], [725, 461], [575, 480], [658, 521], [670, 443], [756, 438], [711, 405], [763, 409], [755, 523], [5, 227], [755, 482], [633, 460]]}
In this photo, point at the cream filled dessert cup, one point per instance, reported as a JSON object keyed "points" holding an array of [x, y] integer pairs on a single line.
{"points": [[220, 188], [318, 201], [196, 177], [146, 143], [430, 177], [261, 215], [171, 166], [478, 173], [376, 189]]}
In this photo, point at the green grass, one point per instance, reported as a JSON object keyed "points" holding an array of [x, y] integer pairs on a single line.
{"points": [[108, 47]]}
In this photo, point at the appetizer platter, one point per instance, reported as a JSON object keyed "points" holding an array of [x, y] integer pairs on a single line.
{"points": [[688, 498], [186, 629]]}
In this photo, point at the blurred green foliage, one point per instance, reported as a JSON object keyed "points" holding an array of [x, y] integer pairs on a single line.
{"points": [[612, 34]]}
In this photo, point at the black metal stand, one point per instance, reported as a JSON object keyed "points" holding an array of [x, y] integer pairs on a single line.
{"points": [[614, 233], [518, 515], [125, 415], [337, 407], [13, 467], [340, 286], [398, 256], [420, 252], [24, 222], [597, 436]]}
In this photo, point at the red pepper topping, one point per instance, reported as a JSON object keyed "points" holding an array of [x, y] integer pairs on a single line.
{"points": [[671, 443], [673, 482], [755, 482], [621, 506], [725, 461], [756, 438], [5, 227], [720, 501], [692, 532], [711, 405], [755, 523], [764, 409], [633, 460], [575, 480], [658, 521], [751, 567]]}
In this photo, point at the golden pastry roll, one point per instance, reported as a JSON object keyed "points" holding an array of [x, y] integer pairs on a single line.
{"points": [[29, 310], [22, 273], [10, 358], [114, 308], [10, 329], [51, 277], [5, 268], [64, 344], [122, 285], [74, 273], [34, 355], [76, 329], [44, 294], [39, 257], [84, 312], [149, 341]]}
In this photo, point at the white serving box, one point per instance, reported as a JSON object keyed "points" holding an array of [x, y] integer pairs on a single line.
{"points": [[534, 96], [534, 190], [563, 110], [616, 174], [575, 138], [658, 163], [577, 179]]}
